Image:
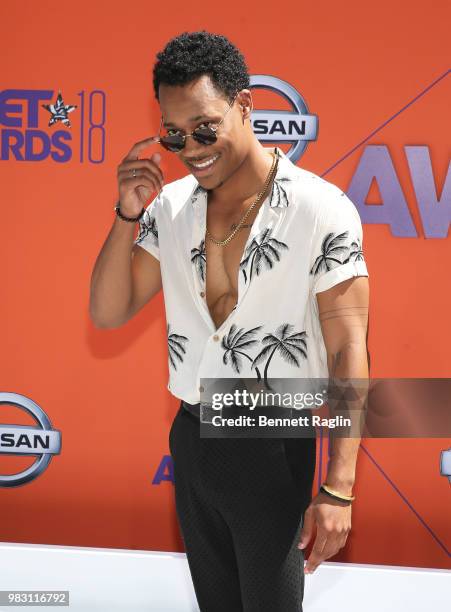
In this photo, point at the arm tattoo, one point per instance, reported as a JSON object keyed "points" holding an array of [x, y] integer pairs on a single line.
{"points": [[344, 311]]}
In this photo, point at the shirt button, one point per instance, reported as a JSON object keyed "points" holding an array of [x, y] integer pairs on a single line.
{"points": [[202, 294], [216, 337], [201, 389]]}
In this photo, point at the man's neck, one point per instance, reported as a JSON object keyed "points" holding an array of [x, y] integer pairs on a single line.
{"points": [[248, 180]]}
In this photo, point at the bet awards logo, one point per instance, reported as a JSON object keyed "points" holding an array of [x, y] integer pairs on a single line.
{"points": [[22, 123], [297, 127], [41, 440]]}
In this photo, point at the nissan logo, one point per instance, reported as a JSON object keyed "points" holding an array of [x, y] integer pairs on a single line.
{"points": [[297, 127], [41, 440]]}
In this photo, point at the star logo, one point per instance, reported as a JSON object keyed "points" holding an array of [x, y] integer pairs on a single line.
{"points": [[59, 111]]}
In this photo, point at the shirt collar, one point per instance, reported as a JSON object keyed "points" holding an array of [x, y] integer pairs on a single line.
{"points": [[286, 171]]}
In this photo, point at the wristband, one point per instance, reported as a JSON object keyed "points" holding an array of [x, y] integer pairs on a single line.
{"points": [[335, 494], [124, 218]]}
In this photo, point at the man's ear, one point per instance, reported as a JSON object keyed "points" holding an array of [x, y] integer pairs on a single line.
{"points": [[246, 104]]}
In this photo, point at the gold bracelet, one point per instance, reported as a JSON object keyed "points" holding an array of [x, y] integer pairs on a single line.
{"points": [[336, 494]]}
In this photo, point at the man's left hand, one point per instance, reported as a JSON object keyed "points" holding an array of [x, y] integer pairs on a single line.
{"points": [[333, 522]]}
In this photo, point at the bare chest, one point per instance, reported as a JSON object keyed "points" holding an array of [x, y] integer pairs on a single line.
{"points": [[223, 262]]}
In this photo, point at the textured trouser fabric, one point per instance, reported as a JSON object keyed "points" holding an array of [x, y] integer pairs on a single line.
{"points": [[240, 504]]}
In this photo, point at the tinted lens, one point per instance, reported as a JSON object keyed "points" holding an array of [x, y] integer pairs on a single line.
{"points": [[204, 135], [173, 143]]}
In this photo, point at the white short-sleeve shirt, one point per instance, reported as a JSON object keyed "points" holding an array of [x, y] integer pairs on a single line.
{"points": [[306, 238]]}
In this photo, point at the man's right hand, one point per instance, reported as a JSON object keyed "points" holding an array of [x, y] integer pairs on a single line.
{"points": [[135, 191]]}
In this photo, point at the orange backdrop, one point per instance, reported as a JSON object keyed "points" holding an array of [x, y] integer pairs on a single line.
{"points": [[361, 69]]}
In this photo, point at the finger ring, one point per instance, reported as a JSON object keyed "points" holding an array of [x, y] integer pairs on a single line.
{"points": [[134, 172]]}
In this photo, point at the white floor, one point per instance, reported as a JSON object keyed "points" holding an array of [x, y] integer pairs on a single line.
{"points": [[109, 580]]}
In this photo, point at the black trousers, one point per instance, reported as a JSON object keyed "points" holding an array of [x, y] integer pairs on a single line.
{"points": [[240, 504]]}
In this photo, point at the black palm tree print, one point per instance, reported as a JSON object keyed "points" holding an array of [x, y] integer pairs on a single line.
{"points": [[147, 224], [176, 348], [355, 252], [278, 193], [199, 189], [290, 346], [331, 249], [261, 253], [199, 259], [235, 344]]}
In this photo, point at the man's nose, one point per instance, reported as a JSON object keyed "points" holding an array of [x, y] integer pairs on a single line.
{"points": [[194, 149]]}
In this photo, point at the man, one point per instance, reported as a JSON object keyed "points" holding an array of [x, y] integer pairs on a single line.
{"points": [[263, 275]]}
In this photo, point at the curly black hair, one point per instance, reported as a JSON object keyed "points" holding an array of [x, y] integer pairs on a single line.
{"points": [[193, 54]]}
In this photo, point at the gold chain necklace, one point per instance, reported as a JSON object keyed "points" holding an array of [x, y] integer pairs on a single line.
{"points": [[248, 212]]}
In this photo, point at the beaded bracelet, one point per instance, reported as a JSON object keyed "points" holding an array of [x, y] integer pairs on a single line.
{"points": [[131, 219], [335, 494]]}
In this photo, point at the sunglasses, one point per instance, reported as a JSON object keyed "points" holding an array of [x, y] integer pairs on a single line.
{"points": [[203, 135]]}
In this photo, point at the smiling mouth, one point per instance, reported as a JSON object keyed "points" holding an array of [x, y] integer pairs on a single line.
{"points": [[200, 166]]}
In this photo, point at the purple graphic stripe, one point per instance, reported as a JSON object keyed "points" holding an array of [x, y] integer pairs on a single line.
{"points": [[404, 498], [388, 121]]}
